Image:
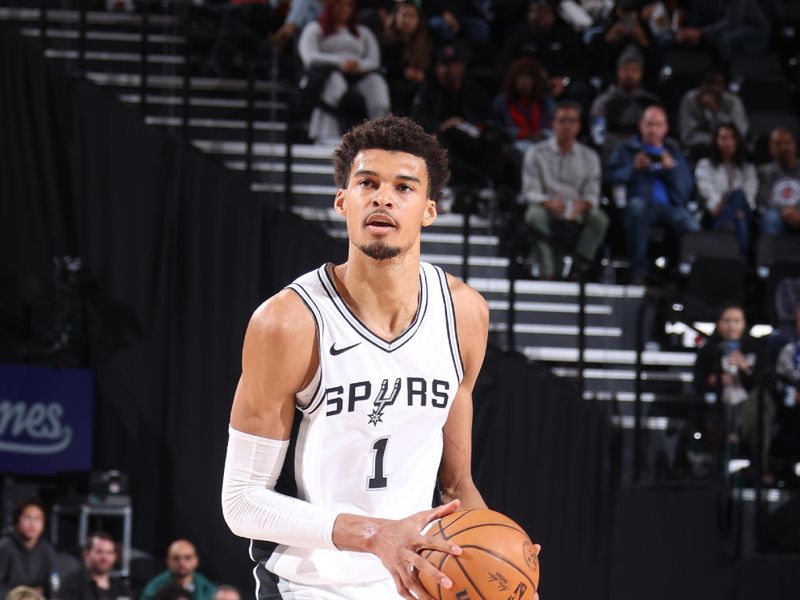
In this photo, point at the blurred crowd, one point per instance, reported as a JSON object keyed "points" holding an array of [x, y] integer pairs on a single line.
{"points": [[586, 115], [32, 569]]}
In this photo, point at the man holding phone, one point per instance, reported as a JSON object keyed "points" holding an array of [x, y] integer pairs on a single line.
{"points": [[657, 183]]}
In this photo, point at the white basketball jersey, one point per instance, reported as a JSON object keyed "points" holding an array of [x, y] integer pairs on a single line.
{"points": [[370, 440]]}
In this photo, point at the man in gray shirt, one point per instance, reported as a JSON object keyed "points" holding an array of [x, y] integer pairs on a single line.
{"points": [[561, 183], [705, 108], [779, 185]]}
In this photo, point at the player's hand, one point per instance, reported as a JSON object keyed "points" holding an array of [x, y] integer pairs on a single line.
{"points": [[398, 543]]}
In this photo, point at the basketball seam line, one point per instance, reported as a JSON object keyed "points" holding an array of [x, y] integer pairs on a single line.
{"points": [[505, 560], [472, 583]]}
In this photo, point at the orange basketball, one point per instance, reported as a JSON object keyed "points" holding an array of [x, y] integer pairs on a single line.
{"points": [[497, 562]]}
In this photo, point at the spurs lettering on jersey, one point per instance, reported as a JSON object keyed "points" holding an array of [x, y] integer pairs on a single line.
{"points": [[418, 392], [370, 440]]}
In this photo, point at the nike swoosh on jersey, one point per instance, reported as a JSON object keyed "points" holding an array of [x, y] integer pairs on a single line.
{"points": [[336, 351]]}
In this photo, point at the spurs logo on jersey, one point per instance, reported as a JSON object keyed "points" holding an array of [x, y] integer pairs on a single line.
{"points": [[370, 438], [418, 391]]}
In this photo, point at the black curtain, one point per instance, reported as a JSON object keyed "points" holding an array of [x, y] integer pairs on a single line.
{"points": [[541, 457], [178, 253]]}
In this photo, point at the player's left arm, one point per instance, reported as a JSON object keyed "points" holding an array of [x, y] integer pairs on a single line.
{"points": [[472, 327]]}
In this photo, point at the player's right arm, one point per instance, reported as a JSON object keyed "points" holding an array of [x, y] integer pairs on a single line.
{"points": [[278, 359]]}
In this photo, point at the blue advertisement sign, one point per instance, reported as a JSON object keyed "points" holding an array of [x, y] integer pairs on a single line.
{"points": [[45, 419]]}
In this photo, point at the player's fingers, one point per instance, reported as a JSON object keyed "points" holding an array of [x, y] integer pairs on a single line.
{"points": [[401, 588], [434, 543], [423, 566], [412, 582], [536, 549], [441, 511]]}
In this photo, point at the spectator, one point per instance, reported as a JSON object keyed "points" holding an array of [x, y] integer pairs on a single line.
{"points": [[173, 591], [561, 183], [730, 27], [449, 19], [657, 183], [546, 39], [728, 184], [704, 109], [338, 54], [728, 370], [26, 558], [301, 13], [457, 110], [779, 185], [616, 112], [787, 367], [407, 50], [226, 592], [94, 581], [524, 108], [181, 571], [23, 592], [625, 31]]}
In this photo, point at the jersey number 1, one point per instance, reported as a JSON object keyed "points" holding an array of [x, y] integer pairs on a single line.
{"points": [[378, 479]]}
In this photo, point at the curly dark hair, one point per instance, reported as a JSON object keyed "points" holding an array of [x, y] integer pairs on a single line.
{"points": [[395, 134]]}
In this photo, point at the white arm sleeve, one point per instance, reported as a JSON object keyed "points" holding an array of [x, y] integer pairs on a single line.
{"points": [[251, 506]]}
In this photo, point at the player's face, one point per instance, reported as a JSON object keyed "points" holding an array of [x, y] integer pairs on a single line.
{"points": [[100, 558], [386, 203]]}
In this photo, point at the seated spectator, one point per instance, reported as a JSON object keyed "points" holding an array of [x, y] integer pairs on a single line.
{"points": [[26, 558], [546, 39], [779, 186], [658, 184], [705, 108], [23, 592], [226, 592], [524, 109], [625, 31], [727, 371], [301, 13], [337, 54], [181, 571], [94, 581], [456, 110], [616, 112], [787, 367], [729, 27], [407, 50], [451, 19], [728, 184], [561, 182]]}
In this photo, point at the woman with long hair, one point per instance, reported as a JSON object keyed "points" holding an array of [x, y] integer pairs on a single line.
{"points": [[524, 107], [728, 184], [343, 54], [406, 48]]}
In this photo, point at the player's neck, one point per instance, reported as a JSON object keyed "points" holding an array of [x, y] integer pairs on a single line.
{"points": [[383, 294]]}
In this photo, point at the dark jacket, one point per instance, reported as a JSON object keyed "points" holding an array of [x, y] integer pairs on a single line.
{"points": [[709, 359], [434, 104], [81, 586], [20, 566], [639, 182]]}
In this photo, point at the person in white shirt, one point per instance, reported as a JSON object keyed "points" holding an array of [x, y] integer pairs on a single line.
{"points": [[352, 56], [728, 185]]}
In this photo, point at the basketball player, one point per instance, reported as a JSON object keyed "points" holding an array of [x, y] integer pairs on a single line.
{"points": [[379, 355]]}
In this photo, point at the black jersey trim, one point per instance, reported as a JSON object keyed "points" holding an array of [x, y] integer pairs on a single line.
{"points": [[450, 323], [360, 328], [320, 324]]}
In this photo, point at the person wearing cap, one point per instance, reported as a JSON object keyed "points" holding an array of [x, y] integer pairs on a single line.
{"points": [[615, 112]]}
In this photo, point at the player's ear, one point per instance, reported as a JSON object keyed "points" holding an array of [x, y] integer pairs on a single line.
{"points": [[339, 202], [429, 216]]}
